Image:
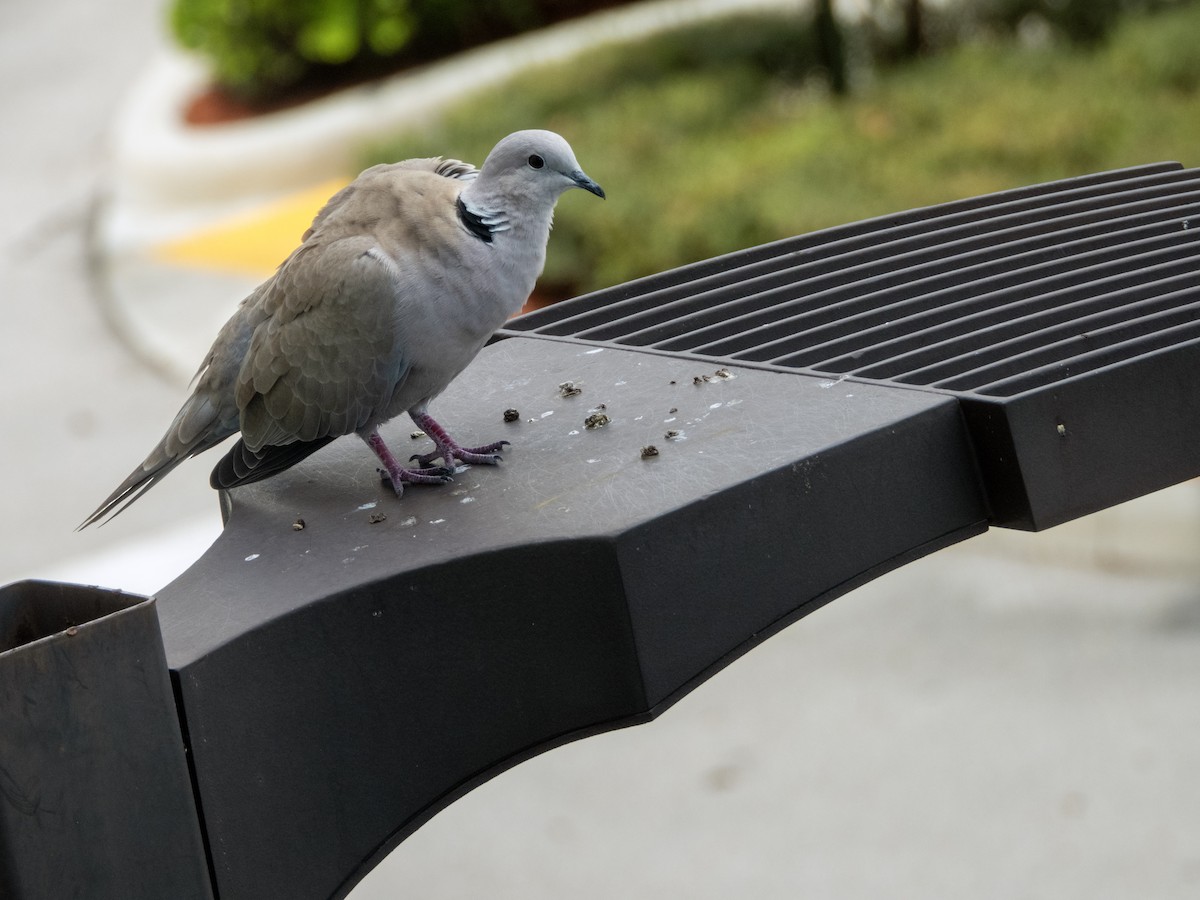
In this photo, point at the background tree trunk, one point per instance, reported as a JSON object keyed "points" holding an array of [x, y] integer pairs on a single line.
{"points": [[830, 45]]}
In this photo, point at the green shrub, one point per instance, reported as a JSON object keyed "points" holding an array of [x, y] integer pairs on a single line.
{"points": [[260, 49], [257, 47]]}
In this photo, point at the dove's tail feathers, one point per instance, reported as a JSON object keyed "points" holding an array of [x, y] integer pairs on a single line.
{"points": [[157, 466], [139, 481], [241, 465], [196, 428]]}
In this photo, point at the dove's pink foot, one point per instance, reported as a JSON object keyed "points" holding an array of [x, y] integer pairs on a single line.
{"points": [[449, 451], [397, 475]]}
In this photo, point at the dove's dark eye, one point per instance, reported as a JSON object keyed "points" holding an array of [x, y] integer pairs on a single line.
{"points": [[536, 162]]}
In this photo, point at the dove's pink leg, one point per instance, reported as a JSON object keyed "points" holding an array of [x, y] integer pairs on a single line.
{"points": [[449, 450], [397, 474]]}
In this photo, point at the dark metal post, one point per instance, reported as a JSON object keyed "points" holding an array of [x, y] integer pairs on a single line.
{"points": [[95, 799]]}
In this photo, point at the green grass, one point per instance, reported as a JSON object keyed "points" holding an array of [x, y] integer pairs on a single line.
{"points": [[723, 137]]}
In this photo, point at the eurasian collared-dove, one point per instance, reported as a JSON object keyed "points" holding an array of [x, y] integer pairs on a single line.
{"points": [[401, 279]]}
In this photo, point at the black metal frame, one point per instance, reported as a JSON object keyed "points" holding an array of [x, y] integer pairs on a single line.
{"points": [[1064, 317]]}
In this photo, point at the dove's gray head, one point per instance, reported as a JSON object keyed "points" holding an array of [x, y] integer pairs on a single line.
{"points": [[537, 165]]}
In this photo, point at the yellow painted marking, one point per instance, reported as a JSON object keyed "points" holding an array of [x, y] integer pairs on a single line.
{"points": [[255, 243]]}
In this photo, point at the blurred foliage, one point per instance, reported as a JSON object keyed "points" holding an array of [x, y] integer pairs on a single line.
{"points": [[1160, 53], [258, 50], [901, 28], [1084, 21], [257, 46], [723, 136]]}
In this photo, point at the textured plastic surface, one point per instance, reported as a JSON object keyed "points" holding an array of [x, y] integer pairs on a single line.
{"points": [[95, 799], [1031, 306], [344, 681]]}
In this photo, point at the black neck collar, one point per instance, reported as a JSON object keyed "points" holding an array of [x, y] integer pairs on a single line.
{"points": [[474, 223]]}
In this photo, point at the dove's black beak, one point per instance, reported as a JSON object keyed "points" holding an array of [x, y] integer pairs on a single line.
{"points": [[587, 184]]}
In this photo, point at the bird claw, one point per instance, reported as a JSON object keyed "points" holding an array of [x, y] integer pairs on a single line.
{"points": [[487, 455], [422, 475]]}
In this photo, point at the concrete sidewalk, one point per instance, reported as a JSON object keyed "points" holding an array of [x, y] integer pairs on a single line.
{"points": [[1014, 717], [80, 410]]}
